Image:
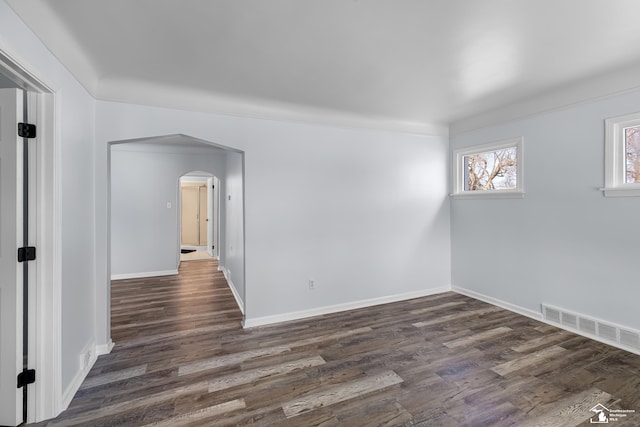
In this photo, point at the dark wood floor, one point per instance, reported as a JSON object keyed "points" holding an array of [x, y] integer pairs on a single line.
{"points": [[182, 358]]}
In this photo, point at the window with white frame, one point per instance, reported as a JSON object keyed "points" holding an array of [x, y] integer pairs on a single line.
{"points": [[489, 170], [622, 156]]}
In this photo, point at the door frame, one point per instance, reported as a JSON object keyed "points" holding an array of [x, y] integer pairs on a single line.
{"points": [[45, 320], [213, 207]]}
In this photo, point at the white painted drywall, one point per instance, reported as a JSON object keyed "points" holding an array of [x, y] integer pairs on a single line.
{"points": [[75, 115], [5, 82], [144, 178], [564, 244], [232, 229], [363, 213]]}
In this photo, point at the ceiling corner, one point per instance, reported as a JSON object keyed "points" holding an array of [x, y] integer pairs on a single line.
{"points": [[45, 24]]}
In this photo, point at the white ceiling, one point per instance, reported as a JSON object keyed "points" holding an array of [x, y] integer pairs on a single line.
{"points": [[407, 64]]}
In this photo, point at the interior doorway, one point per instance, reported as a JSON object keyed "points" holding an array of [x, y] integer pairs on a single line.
{"points": [[199, 216], [30, 291]]}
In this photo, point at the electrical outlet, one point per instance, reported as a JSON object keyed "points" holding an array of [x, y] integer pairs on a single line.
{"points": [[312, 284]]}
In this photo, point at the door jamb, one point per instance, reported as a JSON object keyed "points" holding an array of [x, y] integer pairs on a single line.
{"points": [[46, 331]]}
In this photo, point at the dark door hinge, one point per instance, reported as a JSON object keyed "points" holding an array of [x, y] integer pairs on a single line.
{"points": [[28, 253], [26, 130], [28, 376]]}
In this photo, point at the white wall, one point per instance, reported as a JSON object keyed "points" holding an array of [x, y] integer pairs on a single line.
{"points": [[75, 121], [144, 178], [564, 244], [232, 255], [363, 213]]}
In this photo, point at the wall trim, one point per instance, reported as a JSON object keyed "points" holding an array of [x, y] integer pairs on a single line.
{"points": [[234, 291], [103, 349], [80, 376], [297, 315], [146, 274], [45, 328], [497, 302]]}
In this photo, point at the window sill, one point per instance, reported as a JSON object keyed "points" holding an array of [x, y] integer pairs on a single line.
{"points": [[621, 191], [489, 195]]}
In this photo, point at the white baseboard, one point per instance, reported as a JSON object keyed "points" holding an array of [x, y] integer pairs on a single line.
{"points": [[77, 380], [147, 274], [234, 291], [103, 349], [296, 315], [494, 301]]}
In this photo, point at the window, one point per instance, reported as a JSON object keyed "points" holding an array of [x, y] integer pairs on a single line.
{"points": [[491, 170], [622, 156]]}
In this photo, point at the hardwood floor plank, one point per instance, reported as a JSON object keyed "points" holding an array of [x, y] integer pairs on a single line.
{"points": [[474, 338], [438, 307], [200, 415], [340, 393], [101, 379], [543, 341], [528, 360], [462, 315], [230, 359], [246, 377]]}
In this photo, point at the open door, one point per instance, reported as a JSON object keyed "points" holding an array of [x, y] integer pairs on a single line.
{"points": [[11, 278], [190, 225]]}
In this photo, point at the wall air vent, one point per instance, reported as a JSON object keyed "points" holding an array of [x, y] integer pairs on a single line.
{"points": [[551, 314], [632, 339], [607, 331], [619, 336], [587, 325], [570, 320]]}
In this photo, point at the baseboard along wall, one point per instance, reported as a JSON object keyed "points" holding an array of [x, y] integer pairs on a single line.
{"points": [[234, 291], [297, 315], [145, 274]]}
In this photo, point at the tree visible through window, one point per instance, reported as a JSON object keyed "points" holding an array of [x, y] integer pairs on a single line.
{"points": [[632, 154], [492, 170]]}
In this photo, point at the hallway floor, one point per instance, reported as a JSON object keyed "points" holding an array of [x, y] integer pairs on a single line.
{"points": [[199, 254]]}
